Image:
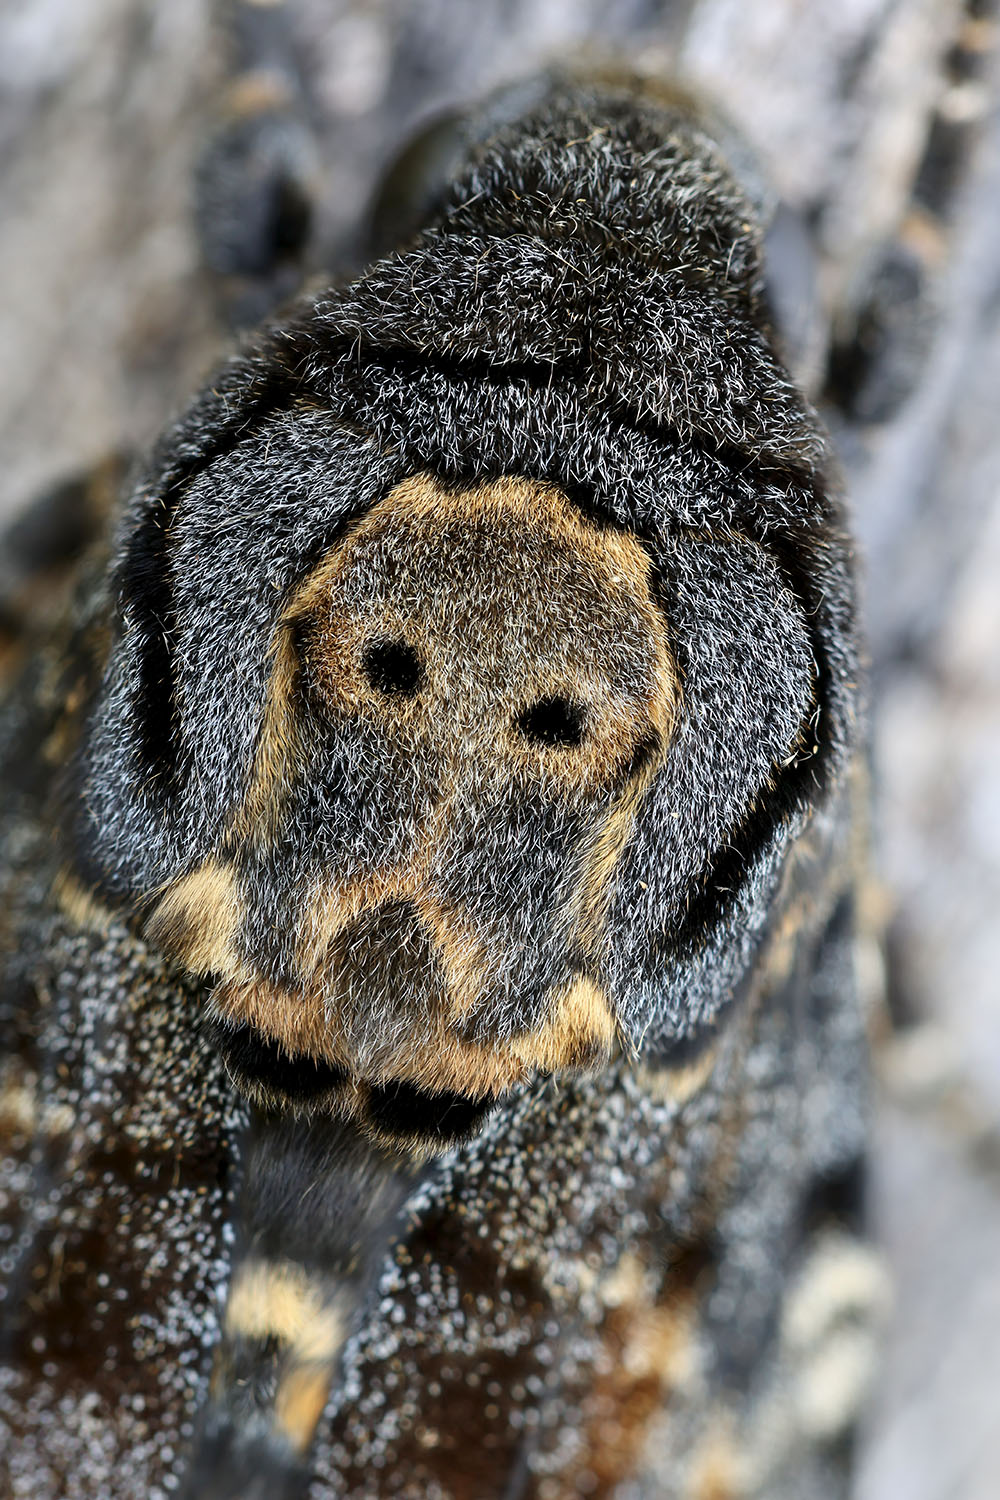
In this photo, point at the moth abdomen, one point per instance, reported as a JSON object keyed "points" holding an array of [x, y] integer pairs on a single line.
{"points": [[318, 1206]]}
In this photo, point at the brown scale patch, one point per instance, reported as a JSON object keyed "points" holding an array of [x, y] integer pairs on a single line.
{"points": [[810, 887], [25, 1113], [650, 1348]]}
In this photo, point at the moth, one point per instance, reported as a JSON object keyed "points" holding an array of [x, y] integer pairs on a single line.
{"points": [[435, 1066]]}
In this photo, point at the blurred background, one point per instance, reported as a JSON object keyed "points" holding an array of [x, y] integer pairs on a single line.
{"points": [[879, 123]]}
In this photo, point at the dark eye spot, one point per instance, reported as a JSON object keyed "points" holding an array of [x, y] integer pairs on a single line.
{"points": [[392, 667], [553, 721]]}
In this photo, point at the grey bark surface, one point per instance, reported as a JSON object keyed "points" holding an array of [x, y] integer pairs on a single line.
{"points": [[107, 322]]}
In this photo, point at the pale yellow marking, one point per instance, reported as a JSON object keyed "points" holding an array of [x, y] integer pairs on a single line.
{"points": [[660, 1339], [421, 497], [81, 906], [831, 1389], [57, 1119], [257, 92], [717, 1472], [198, 917], [19, 1107], [259, 817], [23, 1110], [677, 1085], [299, 1402], [581, 1024], [842, 1278], [626, 1284], [662, 1343], [278, 1299]]}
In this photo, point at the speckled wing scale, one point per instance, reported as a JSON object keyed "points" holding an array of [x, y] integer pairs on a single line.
{"points": [[434, 1061]]}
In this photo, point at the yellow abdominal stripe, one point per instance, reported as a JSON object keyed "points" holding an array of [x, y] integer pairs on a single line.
{"points": [[278, 1300], [299, 1402]]}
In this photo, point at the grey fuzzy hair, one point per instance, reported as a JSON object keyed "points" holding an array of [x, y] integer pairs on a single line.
{"points": [[585, 306]]}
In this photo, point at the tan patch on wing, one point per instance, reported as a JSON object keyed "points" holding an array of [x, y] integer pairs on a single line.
{"points": [[678, 1085], [83, 907], [198, 917]]}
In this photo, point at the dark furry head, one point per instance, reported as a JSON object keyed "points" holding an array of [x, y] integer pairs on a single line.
{"points": [[484, 634]]}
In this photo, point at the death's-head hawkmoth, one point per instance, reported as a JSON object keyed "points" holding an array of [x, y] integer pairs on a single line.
{"points": [[473, 740]]}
